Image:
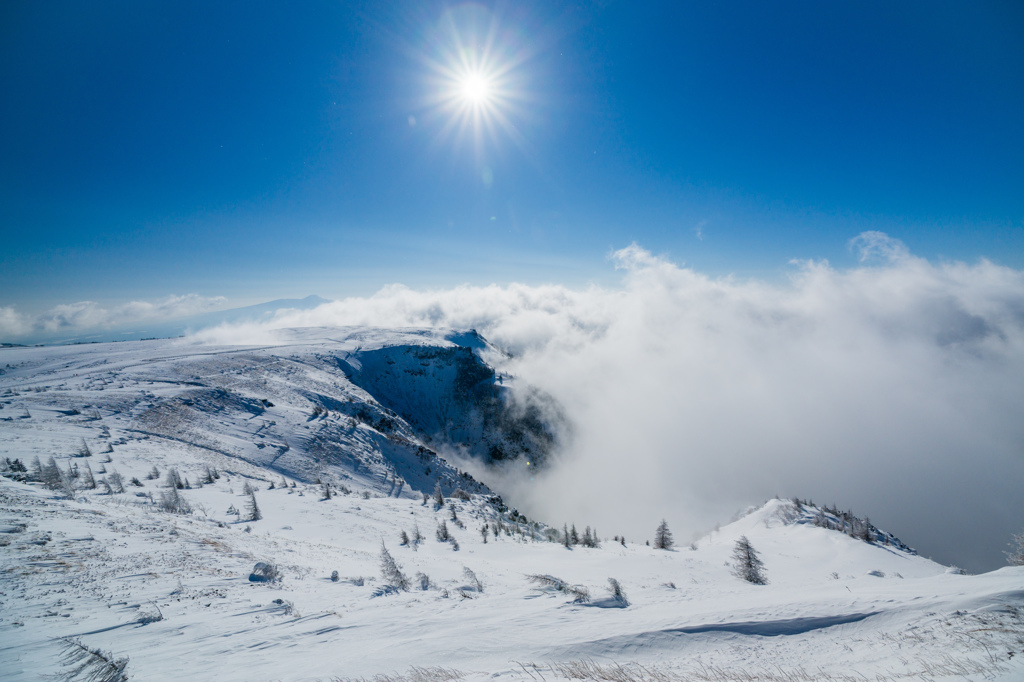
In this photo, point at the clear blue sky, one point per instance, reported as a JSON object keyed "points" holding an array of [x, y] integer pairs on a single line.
{"points": [[262, 150]]}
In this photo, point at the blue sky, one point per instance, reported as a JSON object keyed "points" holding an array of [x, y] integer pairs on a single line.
{"points": [[257, 150]]}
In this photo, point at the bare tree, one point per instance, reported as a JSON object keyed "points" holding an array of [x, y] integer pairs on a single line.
{"points": [[747, 565]]}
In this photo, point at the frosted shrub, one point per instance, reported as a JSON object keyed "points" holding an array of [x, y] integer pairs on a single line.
{"points": [[471, 578], [617, 593], [86, 663], [265, 572]]}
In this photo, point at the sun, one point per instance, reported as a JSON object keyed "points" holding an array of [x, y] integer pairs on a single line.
{"points": [[476, 80], [475, 88]]}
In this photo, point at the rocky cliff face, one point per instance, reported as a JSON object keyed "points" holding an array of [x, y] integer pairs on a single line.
{"points": [[452, 398]]}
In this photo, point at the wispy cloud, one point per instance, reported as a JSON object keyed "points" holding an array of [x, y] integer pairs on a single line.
{"points": [[893, 388]]}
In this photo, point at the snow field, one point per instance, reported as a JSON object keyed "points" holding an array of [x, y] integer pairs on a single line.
{"points": [[172, 591]]}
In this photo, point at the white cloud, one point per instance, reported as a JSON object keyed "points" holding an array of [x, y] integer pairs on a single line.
{"points": [[13, 324], [894, 389], [83, 316]]}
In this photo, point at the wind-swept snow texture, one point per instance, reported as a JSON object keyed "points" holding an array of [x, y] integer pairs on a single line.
{"points": [[172, 591]]}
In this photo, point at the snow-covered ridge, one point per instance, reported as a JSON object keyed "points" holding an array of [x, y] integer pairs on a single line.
{"points": [[293, 406]]}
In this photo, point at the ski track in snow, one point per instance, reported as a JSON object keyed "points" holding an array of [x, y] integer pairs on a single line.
{"points": [[172, 591]]}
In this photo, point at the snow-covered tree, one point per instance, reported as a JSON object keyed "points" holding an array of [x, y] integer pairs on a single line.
{"points": [[618, 594], [390, 571], [747, 565], [663, 536], [88, 480], [417, 536], [51, 475], [253, 512], [1015, 557], [174, 502], [442, 533], [438, 496]]}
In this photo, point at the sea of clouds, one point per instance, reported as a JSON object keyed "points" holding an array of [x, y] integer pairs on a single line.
{"points": [[894, 388]]}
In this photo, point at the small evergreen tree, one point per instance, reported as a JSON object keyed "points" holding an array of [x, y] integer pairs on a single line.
{"points": [[253, 509], [36, 472], [404, 537], [390, 571], [88, 480], [574, 536], [566, 538], [442, 533], [747, 565], [483, 532], [663, 536], [438, 497], [51, 475]]}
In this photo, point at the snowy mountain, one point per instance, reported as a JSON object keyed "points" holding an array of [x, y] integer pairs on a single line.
{"points": [[141, 539]]}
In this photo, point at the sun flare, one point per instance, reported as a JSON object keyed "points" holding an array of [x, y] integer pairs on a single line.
{"points": [[476, 81], [475, 88]]}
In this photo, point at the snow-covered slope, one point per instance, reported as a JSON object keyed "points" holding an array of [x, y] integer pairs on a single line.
{"points": [[172, 591], [288, 407]]}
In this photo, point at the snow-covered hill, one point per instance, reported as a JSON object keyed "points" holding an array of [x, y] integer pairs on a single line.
{"points": [[168, 585]]}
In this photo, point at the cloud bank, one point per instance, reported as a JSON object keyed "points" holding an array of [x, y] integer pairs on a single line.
{"points": [[894, 388], [83, 316]]}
